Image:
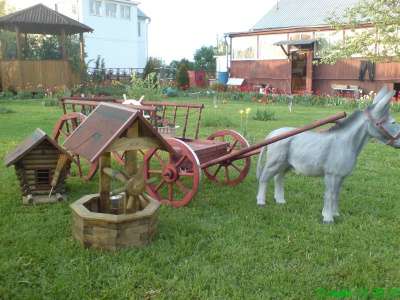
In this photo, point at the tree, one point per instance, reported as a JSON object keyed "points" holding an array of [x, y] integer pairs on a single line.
{"points": [[153, 65], [182, 76], [204, 59], [381, 42]]}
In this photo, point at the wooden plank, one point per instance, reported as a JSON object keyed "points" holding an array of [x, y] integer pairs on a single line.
{"points": [[138, 143], [104, 182]]}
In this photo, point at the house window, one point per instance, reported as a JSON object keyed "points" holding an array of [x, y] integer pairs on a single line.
{"points": [[74, 9], [95, 7], [43, 177], [111, 10], [125, 12], [326, 39], [139, 28], [244, 48], [267, 49]]}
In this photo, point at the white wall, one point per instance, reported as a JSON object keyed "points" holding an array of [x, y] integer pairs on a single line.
{"points": [[114, 39], [142, 44]]}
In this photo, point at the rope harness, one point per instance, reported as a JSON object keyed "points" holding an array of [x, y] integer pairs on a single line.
{"points": [[378, 124]]}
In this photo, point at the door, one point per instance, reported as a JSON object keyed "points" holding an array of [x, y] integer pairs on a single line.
{"points": [[302, 71]]}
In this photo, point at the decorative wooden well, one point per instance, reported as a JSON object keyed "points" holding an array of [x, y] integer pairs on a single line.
{"points": [[35, 161], [125, 217]]}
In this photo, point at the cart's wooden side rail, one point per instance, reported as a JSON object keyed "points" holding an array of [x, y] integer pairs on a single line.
{"points": [[175, 106], [256, 148], [85, 105]]}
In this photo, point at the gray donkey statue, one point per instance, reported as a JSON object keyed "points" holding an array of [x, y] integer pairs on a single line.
{"points": [[332, 153]]}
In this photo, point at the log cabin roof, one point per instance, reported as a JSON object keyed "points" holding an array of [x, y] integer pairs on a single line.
{"points": [[105, 124], [305, 13], [29, 144], [42, 20]]}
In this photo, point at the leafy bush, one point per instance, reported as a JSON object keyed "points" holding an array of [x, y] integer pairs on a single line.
{"points": [[218, 120], [395, 107], [24, 95], [182, 77], [5, 110], [6, 95], [264, 115], [170, 92], [149, 87], [93, 89], [218, 87], [50, 102]]}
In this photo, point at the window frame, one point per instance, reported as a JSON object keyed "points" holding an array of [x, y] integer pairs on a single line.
{"points": [[95, 10], [107, 10]]}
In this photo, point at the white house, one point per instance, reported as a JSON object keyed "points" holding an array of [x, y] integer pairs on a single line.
{"points": [[120, 30]]}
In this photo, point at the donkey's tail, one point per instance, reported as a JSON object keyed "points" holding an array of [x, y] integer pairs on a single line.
{"points": [[261, 162]]}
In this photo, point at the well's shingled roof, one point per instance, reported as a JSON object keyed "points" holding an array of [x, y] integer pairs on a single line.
{"points": [[304, 13], [43, 20]]}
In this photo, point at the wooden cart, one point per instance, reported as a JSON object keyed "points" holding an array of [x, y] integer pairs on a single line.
{"points": [[224, 157]]}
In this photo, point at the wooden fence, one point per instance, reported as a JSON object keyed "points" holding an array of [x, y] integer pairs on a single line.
{"points": [[28, 75]]}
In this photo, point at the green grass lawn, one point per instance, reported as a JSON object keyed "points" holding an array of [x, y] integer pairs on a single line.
{"points": [[221, 246]]}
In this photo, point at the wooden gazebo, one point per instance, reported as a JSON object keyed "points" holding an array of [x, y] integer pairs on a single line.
{"points": [[20, 73]]}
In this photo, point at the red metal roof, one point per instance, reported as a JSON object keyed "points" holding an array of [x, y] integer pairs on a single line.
{"points": [[103, 126]]}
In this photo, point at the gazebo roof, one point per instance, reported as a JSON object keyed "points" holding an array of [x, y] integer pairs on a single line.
{"points": [[43, 20]]}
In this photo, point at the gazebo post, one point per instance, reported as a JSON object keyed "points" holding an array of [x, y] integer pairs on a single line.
{"points": [[26, 47], [62, 45], [81, 52], [81, 48], [18, 42]]}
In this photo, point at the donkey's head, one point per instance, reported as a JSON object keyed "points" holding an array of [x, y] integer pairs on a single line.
{"points": [[382, 125]]}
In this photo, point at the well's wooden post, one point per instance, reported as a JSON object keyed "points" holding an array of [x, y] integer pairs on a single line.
{"points": [[105, 183], [18, 42], [309, 71], [131, 155], [131, 166]]}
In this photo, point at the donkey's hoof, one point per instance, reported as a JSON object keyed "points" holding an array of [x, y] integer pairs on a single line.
{"points": [[260, 205], [280, 201], [328, 222]]}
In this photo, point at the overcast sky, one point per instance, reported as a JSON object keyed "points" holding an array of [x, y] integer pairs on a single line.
{"points": [[179, 27]]}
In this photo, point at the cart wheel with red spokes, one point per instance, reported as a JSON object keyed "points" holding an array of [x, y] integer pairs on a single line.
{"points": [[62, 130], [229, 172], [172, 178]]}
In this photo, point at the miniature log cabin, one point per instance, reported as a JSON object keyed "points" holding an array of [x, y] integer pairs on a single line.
{"points": [[35, 161], [126, 216]]}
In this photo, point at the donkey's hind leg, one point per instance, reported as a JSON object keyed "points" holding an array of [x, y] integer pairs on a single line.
{"points": [[279, 189], [268, 173]]}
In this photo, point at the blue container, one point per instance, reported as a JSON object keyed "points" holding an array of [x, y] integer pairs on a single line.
{"points": [[222, 77]]}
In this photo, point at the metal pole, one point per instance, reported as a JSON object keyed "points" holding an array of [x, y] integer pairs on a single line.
{"points": [[233, 156]]}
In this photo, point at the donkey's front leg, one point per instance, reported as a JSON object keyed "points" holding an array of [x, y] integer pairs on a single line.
{"points": [[331, 197]]}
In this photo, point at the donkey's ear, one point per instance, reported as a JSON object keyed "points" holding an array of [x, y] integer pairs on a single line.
{"points": [[383, 91], [382, 106]]}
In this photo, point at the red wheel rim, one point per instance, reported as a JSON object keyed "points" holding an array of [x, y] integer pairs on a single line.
{"points": [[229, 172], [62, 129], [174, 178]]}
